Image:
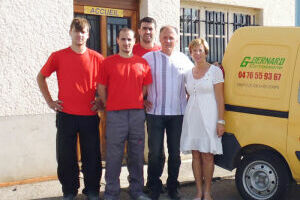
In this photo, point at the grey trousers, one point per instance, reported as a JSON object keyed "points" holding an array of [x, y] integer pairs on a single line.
{"points": [[124, 125]]}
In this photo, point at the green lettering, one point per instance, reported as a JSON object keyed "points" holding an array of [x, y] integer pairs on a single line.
{"points": [[281, 61], [272, 61], [263, 60], [245, 62], [254, 60], [259, 60]]}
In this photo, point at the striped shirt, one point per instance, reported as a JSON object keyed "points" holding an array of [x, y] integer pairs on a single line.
{"points": [[167, 92]]}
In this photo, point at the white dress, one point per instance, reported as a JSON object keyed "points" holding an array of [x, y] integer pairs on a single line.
{"points": [[200, 119]]}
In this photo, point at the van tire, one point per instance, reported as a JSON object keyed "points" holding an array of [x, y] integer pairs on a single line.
{"points": [[262, 176]]}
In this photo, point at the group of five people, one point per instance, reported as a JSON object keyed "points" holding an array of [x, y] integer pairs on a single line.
{"points": [[144, 81]]}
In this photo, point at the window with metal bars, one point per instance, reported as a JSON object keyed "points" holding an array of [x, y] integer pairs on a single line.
{"points": [[215, 27]]}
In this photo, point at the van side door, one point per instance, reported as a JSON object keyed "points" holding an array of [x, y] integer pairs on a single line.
{"points": [[293, 139]]}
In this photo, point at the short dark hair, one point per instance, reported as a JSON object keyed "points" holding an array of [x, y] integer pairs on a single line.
{"points": [[126, 30], [146, 20], [80, 23], [168, 26]]}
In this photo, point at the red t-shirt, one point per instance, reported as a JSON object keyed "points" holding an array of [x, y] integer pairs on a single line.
{"points": [[140, 51], [76, 76], [124, 79]]}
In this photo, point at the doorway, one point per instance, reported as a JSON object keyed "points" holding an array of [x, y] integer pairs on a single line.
{"points": [[104, 28]]}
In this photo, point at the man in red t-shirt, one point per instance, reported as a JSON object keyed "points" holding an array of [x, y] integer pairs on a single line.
{"points": [[76, 68], [122, 85], [147, 30]]}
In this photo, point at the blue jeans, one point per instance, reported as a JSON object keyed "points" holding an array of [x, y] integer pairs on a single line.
{"points": [[156, 126]]}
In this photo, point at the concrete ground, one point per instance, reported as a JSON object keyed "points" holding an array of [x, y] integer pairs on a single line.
{"points": [[223, 187]]}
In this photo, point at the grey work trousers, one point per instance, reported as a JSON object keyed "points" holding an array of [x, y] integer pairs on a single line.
{"points": [[124, 125]]}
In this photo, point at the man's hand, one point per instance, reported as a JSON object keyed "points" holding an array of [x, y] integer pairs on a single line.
{"points": [[147, 105], [220, 130], [55, 105], [97, 105]]}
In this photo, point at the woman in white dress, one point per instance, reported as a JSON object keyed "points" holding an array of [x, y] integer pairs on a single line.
{"points": [[203, 123]]}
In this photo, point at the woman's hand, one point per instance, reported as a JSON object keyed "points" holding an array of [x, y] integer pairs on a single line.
{"points": [[220, 129]]}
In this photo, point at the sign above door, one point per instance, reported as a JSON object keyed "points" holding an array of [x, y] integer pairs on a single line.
{"points": [[103, 11]]}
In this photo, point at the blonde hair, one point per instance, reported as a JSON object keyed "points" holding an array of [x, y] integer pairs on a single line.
{"points": [[197, 42]]}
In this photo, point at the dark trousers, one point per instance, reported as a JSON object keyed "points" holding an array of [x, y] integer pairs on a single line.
{"points": [[121, 126], [66, 152], [156, 126]]}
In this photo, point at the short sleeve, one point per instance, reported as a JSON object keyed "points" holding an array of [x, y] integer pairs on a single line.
{"points": [[217, 75], [149, 57], [103, 76], [50, 66], [100, 60], [148, 75]]}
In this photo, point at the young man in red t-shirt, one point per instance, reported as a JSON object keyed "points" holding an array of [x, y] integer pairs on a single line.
{"points": [[76, 68], [147, 31], [122, 85]]}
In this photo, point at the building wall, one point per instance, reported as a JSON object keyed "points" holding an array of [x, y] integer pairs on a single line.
{"points": [[30, 31], [165, 12], [270, 13]]}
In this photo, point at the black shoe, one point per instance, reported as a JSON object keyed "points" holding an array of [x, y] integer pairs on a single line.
{"points": [[154, 195], [93, 196], [173, 194], [146, 189], [163, 189], [69, 197]]}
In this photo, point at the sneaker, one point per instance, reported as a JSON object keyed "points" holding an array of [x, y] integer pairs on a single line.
{"points": [[174, 195], [69, 197]]}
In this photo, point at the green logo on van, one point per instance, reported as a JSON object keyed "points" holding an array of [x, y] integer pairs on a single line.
{"points": [[263, 62]]}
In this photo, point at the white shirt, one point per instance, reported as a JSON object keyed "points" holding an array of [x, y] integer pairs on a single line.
{"points": [[167, 92]]}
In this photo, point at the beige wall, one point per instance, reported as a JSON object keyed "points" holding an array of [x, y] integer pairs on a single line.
{"points": [[30, 31], [270, 12], [165, 12]]}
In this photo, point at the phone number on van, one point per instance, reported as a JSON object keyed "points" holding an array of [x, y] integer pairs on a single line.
{"points": [[259, 75]]}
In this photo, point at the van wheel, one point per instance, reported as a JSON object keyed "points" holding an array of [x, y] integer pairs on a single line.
{"points": [[262, 176]]}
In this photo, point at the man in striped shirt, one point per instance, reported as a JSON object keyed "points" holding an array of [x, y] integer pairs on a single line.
{"points": [[166, 102]]}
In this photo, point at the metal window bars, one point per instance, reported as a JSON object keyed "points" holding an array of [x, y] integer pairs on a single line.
{"points": [[214, 26]]}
